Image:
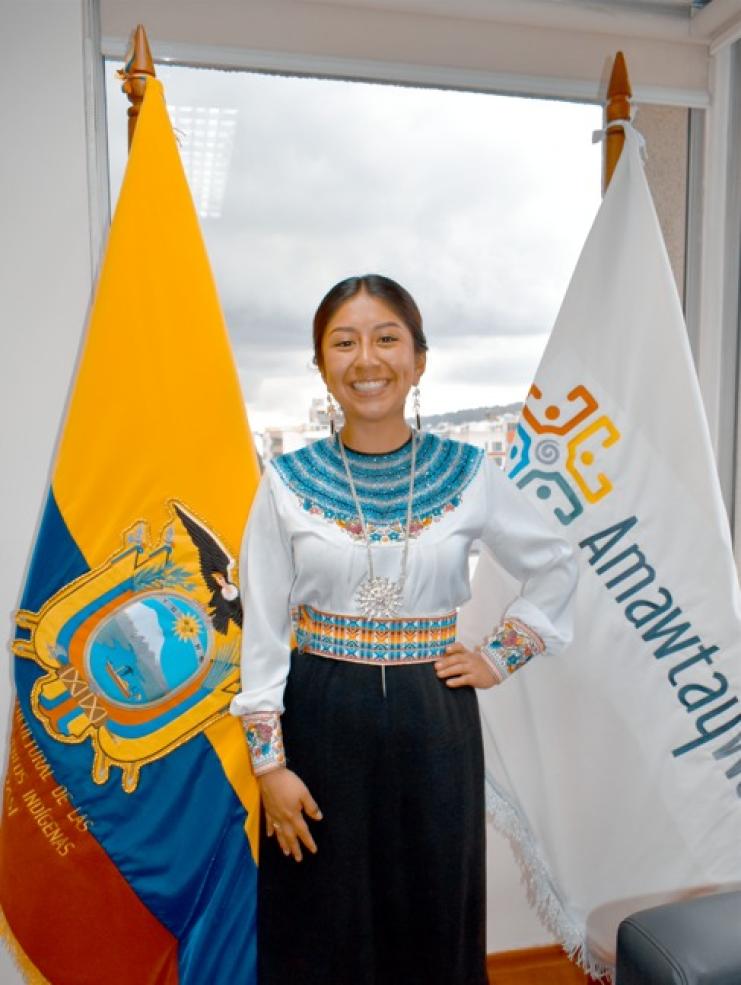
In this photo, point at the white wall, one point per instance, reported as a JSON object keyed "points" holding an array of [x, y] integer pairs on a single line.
{"points": [[45, 276]]}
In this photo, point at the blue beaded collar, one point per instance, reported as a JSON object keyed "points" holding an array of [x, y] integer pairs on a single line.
{"points": [[316, 475]]}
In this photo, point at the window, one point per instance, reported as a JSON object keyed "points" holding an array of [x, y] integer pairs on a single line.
{"points": [[478, 204]]}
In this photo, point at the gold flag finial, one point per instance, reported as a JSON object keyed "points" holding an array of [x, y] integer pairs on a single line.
{"points": [[139, 65], [617, 108]]}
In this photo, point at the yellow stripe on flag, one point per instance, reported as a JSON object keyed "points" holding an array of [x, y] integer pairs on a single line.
{"points": [[157, 364]]}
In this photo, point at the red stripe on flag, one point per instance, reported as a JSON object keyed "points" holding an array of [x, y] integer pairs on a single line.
{"points": [[68, 906]]}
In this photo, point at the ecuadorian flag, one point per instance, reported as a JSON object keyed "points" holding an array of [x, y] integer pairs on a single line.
{"points": [[128, 844]]}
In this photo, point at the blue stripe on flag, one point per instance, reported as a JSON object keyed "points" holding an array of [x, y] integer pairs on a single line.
{"points": [[56, 559], [179, 838]]}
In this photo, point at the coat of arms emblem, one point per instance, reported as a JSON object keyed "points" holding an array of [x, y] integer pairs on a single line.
{"points": [[142, 652]]}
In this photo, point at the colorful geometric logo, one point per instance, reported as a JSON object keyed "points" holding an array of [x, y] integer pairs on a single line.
{"points": [[558, 451]]}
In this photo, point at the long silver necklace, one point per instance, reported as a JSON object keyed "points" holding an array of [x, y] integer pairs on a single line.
{"points": [[379, 597]]}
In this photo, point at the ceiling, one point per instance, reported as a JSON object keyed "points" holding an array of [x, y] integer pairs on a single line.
{"points": [[672, 20]]}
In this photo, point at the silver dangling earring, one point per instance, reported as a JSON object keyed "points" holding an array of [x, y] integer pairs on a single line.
{"points": [[415, 395], [331, 410]]}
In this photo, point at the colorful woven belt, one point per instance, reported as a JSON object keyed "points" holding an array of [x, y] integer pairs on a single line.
{"points": [[420, 639]]}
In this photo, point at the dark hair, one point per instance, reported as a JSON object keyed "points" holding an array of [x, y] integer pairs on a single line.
{"points": [[391, 293]]}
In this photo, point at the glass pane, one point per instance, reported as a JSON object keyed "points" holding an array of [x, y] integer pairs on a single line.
{"points": [[478, 204]]}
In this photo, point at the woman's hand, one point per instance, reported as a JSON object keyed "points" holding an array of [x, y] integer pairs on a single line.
{"points": [[284, 796], [460, 667]]}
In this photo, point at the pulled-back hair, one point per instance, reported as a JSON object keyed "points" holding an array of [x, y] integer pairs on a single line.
{"points": [[378, 286]]}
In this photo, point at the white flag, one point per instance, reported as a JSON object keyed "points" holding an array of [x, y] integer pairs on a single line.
{"points": [[615, 768]]}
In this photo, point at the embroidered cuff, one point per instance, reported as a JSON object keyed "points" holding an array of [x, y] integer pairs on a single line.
{"points": [[265, 740], [510, 646]]}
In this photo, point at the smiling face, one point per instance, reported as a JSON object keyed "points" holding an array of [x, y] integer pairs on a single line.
{"points": [[368, 360]]}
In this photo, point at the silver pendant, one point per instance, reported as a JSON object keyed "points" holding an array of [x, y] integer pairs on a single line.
{"points": [[379, 597]]}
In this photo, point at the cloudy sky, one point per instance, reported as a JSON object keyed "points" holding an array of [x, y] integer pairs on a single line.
{"points": [[478, 204]]}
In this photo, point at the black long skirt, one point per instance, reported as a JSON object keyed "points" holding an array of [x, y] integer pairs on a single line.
{"points": [[396, 891]]}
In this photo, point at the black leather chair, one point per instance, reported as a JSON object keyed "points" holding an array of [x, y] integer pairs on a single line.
{"points": [[692, 942]]}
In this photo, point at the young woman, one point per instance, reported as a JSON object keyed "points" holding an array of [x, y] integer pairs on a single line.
{"points": [[366, 737]]}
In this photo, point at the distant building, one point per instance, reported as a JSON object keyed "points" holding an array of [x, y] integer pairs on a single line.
{"points": [[278, 440], [494, 435], [318, 412]]}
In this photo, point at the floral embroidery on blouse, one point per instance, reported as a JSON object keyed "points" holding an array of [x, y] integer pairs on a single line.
{"points": [[316, 475], [264, 740], [511, 645]]}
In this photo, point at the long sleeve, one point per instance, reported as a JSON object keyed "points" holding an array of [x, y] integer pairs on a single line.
{"points": [[540, 619], [266, 574]]}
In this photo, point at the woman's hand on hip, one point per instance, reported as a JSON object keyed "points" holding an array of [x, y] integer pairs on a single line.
{"points": [[461, 667], [285, 796]]}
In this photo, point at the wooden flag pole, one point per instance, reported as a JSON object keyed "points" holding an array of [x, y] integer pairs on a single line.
{"points": [[138, 67], [618, 108]]}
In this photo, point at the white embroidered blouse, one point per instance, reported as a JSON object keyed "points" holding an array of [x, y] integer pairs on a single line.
{"points": [[303, 553]]}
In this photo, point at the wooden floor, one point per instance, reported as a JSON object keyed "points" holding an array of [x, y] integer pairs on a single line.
{"points": [[534, 966]]}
